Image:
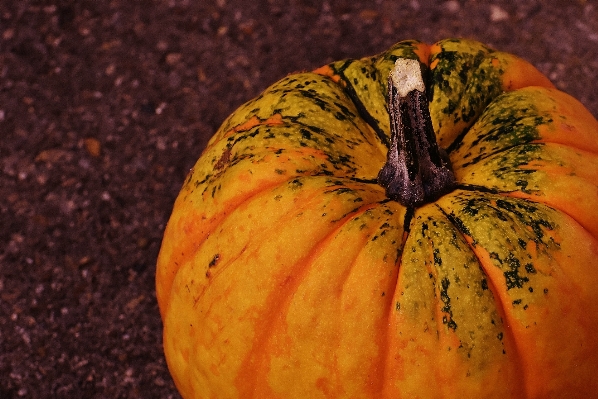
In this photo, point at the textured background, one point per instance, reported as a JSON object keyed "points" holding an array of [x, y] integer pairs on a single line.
{"points": [[104, 107]]}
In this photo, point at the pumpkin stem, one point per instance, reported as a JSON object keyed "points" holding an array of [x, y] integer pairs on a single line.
{"points": [[417, 171]]}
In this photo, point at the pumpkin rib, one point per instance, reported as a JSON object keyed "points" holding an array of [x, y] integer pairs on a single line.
{"points": [[387, 355], [338, 77], [247, 194], [442, 316], [555, 269], [552, 174], [464, 80], [288, 216], [592, 230], [564, 143], [362, 113], [477, 188], [383, 333], [207, 228], [349, 89], [186, 248], [357, 128], [480, 159], [509, 334], [284, 298], [485, 266], [248, 125], [307, 99], [538, 142], [527, 116], [274, 120], [439, 364]]}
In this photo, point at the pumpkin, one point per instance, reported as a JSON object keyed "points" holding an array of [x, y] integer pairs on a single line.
{"points": [[328, 245]]}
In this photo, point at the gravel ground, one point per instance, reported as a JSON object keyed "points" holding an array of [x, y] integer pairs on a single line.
{"points": [[104, 107]]}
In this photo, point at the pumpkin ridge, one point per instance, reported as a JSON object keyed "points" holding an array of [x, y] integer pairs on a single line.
{"points": [[281, 299], [383, 334], [543, 173], [210, 181], [561, 209], [469, 349], [552, 141], [472, 120], [297, 121], [215, 221], [531, 267], [508, 334], [249, 195], [191, 247], [458, 94], [530, 115], [488, 155], [351, 93], [316, 191], [443, 314], [386, 355], [477, 188], [275, 119]]}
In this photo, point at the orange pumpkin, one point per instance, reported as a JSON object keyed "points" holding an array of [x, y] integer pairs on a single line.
{"points": [[291, 267]]}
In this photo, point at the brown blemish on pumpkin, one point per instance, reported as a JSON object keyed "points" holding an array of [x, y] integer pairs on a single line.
{"points": [[214, 260], [224, 158]]}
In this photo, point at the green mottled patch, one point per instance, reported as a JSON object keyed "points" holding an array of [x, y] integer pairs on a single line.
{"points": [[439, 276], [510, 170], [462, 81], [512, 119], [503, 230], [503, 150], [316, 130], [306, 100]]}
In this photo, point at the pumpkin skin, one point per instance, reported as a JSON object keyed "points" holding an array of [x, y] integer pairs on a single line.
{"points": [[286, 272]]}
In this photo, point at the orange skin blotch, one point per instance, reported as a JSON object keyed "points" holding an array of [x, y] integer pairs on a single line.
{"points": [[435, 49], [422, 50], [252, 122], [327, 71]]}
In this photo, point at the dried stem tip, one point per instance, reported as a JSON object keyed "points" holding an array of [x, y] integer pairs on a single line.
{"points": [[407, 76]]}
